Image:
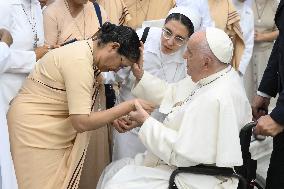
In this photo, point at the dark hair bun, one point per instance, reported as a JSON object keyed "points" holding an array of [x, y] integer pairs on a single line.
{"points": [[108, 27], [125, 36]]}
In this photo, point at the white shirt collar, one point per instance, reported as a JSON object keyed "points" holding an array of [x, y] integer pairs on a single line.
{"points": [[215, 76]]}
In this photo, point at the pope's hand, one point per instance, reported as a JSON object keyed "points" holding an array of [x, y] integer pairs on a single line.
{"points": [[266, 126], [124, 124], [140, 114], [259, 106], [137, 68]]}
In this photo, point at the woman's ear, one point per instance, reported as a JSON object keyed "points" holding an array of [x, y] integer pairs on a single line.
{"points": [[115, 45]]}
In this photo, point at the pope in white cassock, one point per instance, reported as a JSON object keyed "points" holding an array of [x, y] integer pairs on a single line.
{"points": [[205, 111]]}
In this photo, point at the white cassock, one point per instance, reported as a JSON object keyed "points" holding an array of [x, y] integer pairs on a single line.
{"points": [[22, 58], [202, 130], [7, 172], [247, 26], [170, 68], [201, 6]]}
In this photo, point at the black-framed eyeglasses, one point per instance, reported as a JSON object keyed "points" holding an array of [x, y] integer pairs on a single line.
{"points": [[168, 34]]}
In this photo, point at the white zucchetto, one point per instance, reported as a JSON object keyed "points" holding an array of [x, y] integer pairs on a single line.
{"points": [[220, 44], [189, 13]]}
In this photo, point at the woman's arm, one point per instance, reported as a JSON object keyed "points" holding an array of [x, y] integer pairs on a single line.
{"points": [[265, 37], [99, 119]]}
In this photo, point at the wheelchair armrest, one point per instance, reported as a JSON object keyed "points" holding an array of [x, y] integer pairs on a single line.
{"points": [[207, 170]]}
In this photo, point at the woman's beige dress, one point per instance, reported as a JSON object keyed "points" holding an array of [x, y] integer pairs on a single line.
{"points": [[59, 27], [142, 10], [47, 151], [116, 10], [261, 50]]}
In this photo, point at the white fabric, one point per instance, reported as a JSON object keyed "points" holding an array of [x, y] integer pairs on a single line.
{"points": [[247, 26], [4, 56], [189, 13], [259, 93], [7, 172], [153, 23], [23, 58], [201, 6], [205, 130], [220, 44], [170, 68], [17, 66], [260, 149]]}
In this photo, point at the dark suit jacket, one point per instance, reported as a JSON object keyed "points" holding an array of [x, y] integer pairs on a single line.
{"points": [[273, 78]]}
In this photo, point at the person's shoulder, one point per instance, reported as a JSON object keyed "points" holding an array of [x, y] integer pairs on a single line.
{"points": [[54, 8]]}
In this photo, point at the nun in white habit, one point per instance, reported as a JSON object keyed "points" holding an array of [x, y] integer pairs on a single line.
{"points": [[202, 128], [163, 51], [23, 18], [7, 172]]}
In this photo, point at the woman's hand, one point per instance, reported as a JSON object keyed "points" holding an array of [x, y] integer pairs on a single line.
{"points": [[259, 37], [41, 51], [140, 114], [137, 68]]}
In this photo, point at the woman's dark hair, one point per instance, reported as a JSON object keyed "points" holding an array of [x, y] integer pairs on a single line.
{"points": [[125, 36], [182, 19]]}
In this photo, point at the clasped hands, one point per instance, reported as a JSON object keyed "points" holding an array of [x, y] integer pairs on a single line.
{"points": [[266, 126], [135, 118]]}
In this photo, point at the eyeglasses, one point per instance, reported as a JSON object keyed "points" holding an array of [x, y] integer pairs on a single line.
{"points": [[168, 34]]}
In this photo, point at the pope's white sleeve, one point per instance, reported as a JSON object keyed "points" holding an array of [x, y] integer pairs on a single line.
{"points": [[160, 92], [207, 134]]}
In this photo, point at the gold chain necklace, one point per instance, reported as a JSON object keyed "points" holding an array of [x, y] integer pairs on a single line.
{"points": [[259, 13], [75, 22]]}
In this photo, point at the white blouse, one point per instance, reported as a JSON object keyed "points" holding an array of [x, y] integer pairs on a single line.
{"points": [[23, 28]]}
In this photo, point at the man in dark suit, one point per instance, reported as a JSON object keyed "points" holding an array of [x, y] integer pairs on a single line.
{"points": [[273, 124]]}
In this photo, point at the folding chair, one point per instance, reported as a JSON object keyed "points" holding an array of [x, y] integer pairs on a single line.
{"points": [[245, 173]]}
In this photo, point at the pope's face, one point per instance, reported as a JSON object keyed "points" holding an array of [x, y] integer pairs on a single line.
{"points": [[174, 36], [193, 56]]}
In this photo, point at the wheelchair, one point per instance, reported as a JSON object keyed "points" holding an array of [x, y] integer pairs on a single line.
{"points": [[246, 173]]}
